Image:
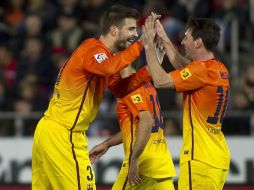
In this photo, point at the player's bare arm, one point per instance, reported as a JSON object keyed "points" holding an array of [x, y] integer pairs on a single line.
{"points": [[142, 137], [161, 79], [176, 59], [159, 49], [99, 150]]}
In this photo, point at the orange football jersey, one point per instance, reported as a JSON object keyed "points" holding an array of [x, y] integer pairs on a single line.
{"points": [[155, 161], [82, 80], [205, 87]]}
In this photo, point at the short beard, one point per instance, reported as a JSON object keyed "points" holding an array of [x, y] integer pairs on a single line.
{"points": [[120, 45]]}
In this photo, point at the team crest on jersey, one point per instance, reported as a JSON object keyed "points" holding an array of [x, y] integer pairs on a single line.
{"points": [[100, 57], [185, 73], [136, 98]]}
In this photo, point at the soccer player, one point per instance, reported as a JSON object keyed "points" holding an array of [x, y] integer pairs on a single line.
{"points": [[204, 82], [60, 157], [148, 163]]}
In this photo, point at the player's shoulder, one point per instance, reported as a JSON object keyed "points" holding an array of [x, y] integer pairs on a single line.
{"points": [[91, 43], [217, 70], [93, 47], [196, 67]]}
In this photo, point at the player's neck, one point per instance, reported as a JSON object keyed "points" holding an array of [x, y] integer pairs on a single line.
{"points": [[204, 56], [108, 42]]}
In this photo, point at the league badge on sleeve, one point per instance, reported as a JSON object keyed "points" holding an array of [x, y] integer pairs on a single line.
{"points": [[100, 57], [185, 73], [136, 98]]}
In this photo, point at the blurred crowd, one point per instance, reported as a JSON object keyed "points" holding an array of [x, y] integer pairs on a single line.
{"points": [[37, 36]]}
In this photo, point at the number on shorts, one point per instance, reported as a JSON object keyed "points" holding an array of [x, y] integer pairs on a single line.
{"points": [[90, 176]]}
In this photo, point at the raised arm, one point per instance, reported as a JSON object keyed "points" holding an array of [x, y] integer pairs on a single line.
{"points": [[176, 59], [161, 79], [99, 61]]}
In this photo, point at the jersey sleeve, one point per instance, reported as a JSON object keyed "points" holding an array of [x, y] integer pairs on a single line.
{"points": [[136, 102], [191, 77], [100, 62], [121, 87]]}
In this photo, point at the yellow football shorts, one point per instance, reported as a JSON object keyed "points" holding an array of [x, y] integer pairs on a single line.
{"points": [[60, 159], [148, 183], [201, 176]]}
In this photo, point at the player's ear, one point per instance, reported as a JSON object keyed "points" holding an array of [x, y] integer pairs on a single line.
{"points": [[198, 43], [114, 30]]}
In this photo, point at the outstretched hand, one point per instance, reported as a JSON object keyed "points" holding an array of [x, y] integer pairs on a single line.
{"points": [[160, 31], [97, 151], [148, 29]]}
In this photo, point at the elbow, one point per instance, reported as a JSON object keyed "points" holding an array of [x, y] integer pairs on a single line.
{"points": [[163, 84], [109, 72], [164, 81], [158, 85], [149, 122], [146, 119]]}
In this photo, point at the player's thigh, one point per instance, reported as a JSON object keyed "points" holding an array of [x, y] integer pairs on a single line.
{"points": [[223, 179], [183, 180], [121, 182], [121, 178], [189, 177], [147, 183], [40, 180], [74, 168], [164, 184], [207, 177], [65, 158], [200, 176]]}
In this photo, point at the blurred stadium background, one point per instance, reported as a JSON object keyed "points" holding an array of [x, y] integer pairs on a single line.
{"points": [[37, 36]]}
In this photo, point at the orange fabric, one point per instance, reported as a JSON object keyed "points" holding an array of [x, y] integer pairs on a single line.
{"points": [[126, 106], [159, 165], [81, 82], [205, 87]]}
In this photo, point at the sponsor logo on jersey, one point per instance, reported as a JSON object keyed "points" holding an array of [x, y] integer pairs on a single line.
{"points": [[185, 73], [100, 57], [136, 99]]}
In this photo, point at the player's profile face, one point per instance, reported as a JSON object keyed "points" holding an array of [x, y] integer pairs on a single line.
{"points": [[188, 44], [127, 34]]}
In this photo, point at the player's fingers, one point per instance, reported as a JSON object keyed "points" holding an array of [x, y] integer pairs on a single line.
{"points": [[155, 15], [92, 159], [158, 25], [147, 22], [150, 23], [137, 179], [130, 179], [149, 26]]}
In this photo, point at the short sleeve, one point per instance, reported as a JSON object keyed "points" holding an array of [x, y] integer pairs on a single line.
{"points": [[191, 77], [136, 102], [98, 60]]}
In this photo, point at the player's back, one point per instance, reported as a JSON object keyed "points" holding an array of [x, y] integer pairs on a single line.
{"points": [[155, 161]]}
